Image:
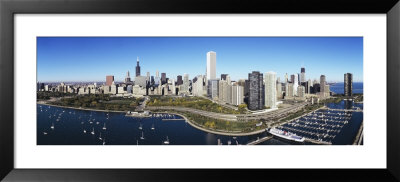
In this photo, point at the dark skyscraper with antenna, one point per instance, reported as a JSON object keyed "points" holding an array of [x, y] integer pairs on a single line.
{"points": [[137, 67]]}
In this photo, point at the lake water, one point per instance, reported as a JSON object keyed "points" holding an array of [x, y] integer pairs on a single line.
{"points": [[358, 87], [120, 130]]}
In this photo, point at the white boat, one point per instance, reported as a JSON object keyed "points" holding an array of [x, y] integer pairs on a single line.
{"points": [[84, 131], [52, 126], [100, 137], [92, 131], [166, 142], [104, 141], [152, 127], [286, 135], [142, 137], [44, 133], [104, 127], [140, 127]]}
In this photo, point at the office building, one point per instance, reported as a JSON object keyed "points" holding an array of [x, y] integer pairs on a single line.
{"points": [[141, 81], [109, 80], [211, 65], [127, 78], [179, 80], [163, 78], [186, 83], [223, 76], [302, 75], [212, 90], [301, 91], [137, 67]]}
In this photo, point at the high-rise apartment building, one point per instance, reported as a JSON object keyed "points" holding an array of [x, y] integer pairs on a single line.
{"points": [[348, 84], [256, 91], [211, 65], [322, 82], [237, 94], [270, 89]]}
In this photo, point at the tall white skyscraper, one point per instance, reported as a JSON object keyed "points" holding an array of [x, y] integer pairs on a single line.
{"points": [[186, 83], [270, 89], [211, 65], [295, 84]]}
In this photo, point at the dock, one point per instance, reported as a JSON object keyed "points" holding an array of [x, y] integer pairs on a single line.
{"points": [[177, 119], [260, 140]]}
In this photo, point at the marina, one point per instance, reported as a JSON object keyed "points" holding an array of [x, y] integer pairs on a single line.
{"points": [[326, 125]]}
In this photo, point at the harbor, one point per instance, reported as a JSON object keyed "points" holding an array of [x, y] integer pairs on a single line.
{"points": [[326, 125]]}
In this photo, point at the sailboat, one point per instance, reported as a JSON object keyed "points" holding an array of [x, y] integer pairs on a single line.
{"points": [[104, 141], [152, 127], [52, 126], [140, 127], [142, 137], [92, 131], [166, 142], [104, 127], [100, 137]]}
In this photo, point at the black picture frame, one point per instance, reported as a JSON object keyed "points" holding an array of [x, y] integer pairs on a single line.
{"points": [[8, 8]]}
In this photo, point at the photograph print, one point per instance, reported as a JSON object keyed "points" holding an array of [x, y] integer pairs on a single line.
{"points": [[199, 91]]}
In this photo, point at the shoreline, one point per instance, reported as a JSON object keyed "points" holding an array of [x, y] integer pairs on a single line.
{"points": [[191, 123]]}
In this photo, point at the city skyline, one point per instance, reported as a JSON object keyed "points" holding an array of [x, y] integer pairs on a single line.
{"points": [[82, 59]]}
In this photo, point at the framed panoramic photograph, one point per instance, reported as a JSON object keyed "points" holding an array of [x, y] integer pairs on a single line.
{"points": [[130, 91]]}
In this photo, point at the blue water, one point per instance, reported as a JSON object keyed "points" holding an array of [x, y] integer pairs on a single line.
{"points": [[338, 88], [120, 130]]}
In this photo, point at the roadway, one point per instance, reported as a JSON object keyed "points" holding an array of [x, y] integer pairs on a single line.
{"points": [[282, 112]]}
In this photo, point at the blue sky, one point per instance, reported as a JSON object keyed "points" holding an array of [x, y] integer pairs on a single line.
{"points": [[92, 58]]}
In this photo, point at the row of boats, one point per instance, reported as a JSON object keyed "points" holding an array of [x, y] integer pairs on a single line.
{"points": [[320, 125]]}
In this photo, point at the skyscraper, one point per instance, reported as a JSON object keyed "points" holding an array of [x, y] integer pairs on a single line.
{"points": [[295, 84], [211, 65], [109, 80], [223, 76], [137, 67], [303, 75], [186, 83], [212, 90], [179, 80], [270, 89], [127, 78], [292, 78], [286, 78], [256, 94], [348, 84], [322, 82], [163, 78]]}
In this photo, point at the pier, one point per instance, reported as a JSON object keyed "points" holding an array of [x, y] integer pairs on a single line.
{"points": [[359, 136], [260, 140]]}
